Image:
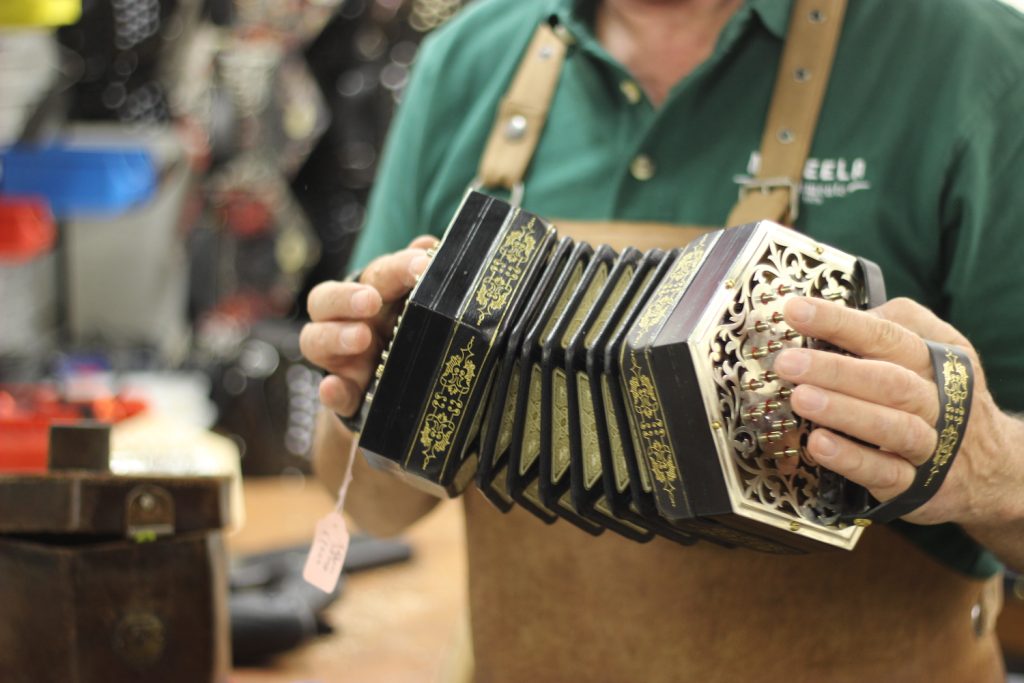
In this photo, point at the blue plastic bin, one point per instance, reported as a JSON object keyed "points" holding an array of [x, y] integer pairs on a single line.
{"points": [[80, 182]]}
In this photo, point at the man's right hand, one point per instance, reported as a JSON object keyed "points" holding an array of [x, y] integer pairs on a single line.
{"points": [[352, 321]]}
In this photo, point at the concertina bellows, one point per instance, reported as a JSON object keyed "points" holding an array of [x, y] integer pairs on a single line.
{"points": [[630, 392]]}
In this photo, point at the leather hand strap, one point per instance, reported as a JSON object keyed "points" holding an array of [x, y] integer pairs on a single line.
{"points": [[954, 376]]}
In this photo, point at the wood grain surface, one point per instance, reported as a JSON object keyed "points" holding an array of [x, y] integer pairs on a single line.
{"points": [[398, 624]]}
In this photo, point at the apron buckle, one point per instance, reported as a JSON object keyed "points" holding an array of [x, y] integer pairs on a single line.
{"points": [[515, 193], [767, 185]]}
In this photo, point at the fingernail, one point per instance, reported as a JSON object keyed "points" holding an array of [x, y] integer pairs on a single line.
{"points": [[809, 399], [792, 362], [419, 264], [363, 300], [351, 338], [799, 311], [824, 445]]}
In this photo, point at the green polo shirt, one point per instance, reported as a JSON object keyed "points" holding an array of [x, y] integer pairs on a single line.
{"points": [[915, 163]]}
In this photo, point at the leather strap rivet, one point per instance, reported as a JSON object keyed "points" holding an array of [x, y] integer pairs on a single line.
{"points": [[545, 52], [515, 129], [977, 622], [816, 16], [786, 136], [801, 75]]}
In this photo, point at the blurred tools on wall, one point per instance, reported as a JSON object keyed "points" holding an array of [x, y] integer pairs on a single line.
{"points": [[175, 175]]}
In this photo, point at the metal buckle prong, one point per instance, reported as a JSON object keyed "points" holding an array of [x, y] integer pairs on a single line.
{"points": [[766, 185], [515, 193]]}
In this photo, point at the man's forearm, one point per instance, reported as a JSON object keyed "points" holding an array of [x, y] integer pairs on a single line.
{"points": [[378, 502], [1004, 540], [999, 484]]}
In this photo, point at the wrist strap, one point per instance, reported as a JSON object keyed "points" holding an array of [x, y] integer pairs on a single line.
{"points": [[954, 377]]}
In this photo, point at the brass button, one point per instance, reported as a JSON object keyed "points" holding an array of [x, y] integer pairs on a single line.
{"points": [[642, 168], [631, 91]]}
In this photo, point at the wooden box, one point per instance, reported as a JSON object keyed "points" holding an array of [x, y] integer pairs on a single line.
{"points": [[108, 578]]}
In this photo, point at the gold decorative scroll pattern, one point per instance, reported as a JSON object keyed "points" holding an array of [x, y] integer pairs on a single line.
{"points": [[671, 288], [955, 380], [614, 438], [653, 433], [505, 270], [588, 432], [448, 403]]}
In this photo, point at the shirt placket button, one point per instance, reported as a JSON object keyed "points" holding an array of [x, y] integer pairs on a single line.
{"points": [[641, 168], [631, 91]]}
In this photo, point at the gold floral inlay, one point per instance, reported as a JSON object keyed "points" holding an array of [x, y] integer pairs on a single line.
{"points": [[613, 300], [531, 437], [509, 414], [651, 429], [591, 454], [505, 270], [586, 304], [614, 439], [671, 288], [447, 404], [955, 381], [559, 426]]}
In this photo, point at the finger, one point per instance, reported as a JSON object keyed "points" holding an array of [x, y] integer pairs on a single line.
{"points": [[392, 275], [424, 242], [885, 475], [340, 395], [919, 320], [875, 381], [331, 344], [859, 332], [890, 429], [341, 301]]}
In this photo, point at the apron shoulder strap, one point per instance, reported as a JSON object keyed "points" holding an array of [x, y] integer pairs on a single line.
{"points": [[800, 85], [811, 40], [523, 112]]}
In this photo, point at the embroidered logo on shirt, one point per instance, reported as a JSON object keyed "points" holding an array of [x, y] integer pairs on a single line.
{"points": [[823, 178]]}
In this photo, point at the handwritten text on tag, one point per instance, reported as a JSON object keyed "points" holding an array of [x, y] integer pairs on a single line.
{"points": [[327, 556]]}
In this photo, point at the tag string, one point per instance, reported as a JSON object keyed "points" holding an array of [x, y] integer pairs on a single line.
{"points": [[353, 453]]}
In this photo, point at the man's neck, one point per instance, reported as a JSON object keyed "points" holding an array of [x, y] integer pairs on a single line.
{"points": [[661, 41]]}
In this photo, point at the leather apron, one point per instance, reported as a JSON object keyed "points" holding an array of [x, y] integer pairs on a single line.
{"points": [[885, 611]]}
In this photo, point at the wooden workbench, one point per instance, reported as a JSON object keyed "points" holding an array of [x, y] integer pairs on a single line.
{"points": [[399, 624]]}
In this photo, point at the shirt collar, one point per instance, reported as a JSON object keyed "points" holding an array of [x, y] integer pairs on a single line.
{"points": [[577, 16], [774, 15]]}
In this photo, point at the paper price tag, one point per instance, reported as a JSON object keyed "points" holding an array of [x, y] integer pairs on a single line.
{"points": [[327, 555], [330, 543]]}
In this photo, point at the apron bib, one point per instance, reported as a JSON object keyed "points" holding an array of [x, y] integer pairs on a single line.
{"points": [[860, 597]]}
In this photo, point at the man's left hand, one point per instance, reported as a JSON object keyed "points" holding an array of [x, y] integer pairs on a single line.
{"points": [[886, 397]]}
